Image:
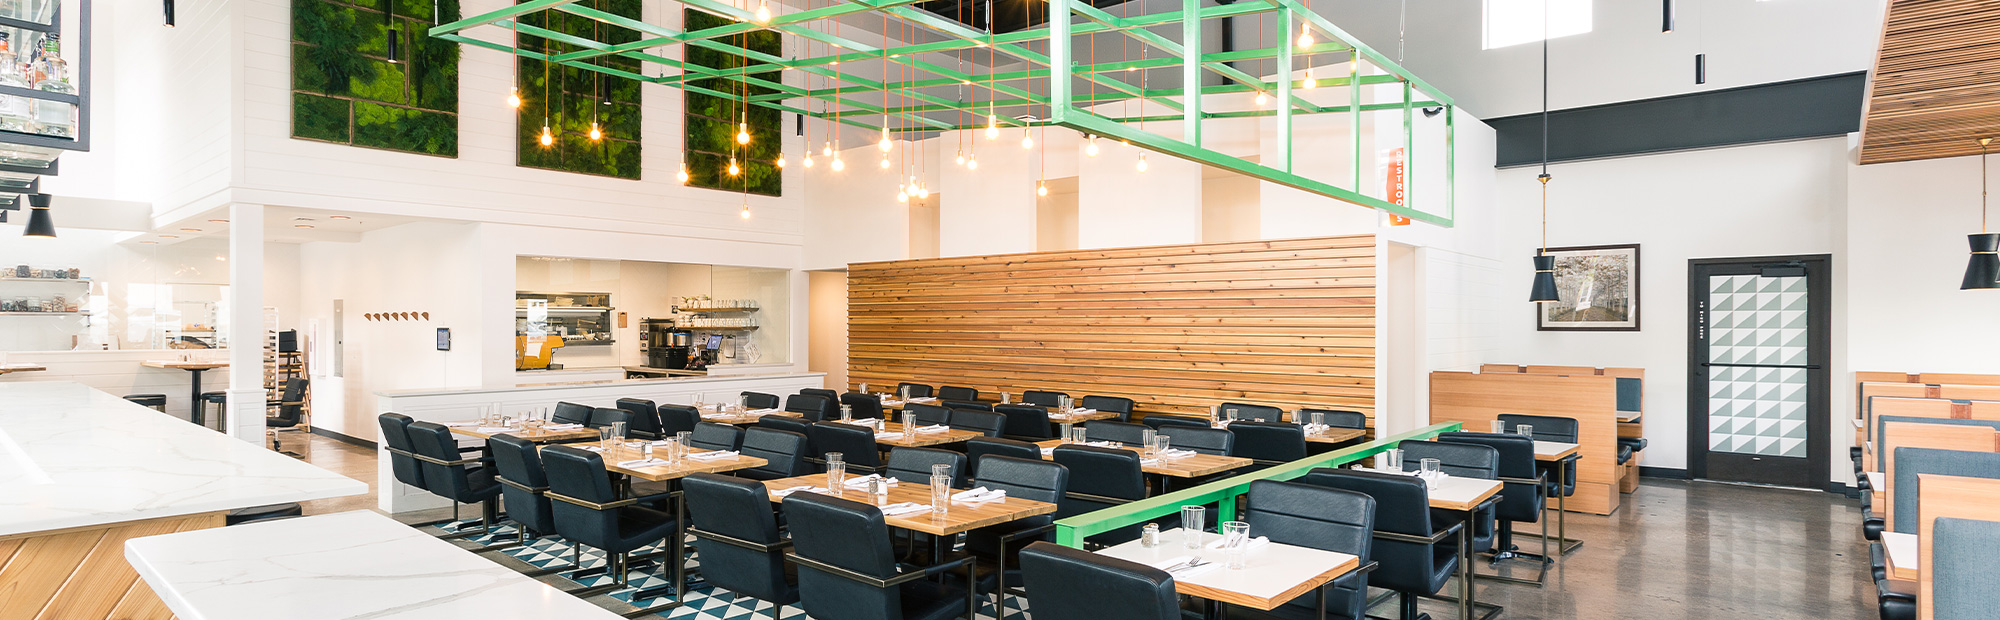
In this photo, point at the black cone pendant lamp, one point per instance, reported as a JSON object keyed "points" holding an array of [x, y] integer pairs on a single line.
{"points": [[1544, 289], [1983, 270], [39, 222]]}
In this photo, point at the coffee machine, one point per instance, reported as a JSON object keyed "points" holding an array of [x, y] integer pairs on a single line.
{"points": [[666, 346]]}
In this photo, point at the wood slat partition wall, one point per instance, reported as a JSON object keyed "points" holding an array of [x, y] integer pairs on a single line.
{"points": [[1932, 92], [1289, 323], [82, 574]]}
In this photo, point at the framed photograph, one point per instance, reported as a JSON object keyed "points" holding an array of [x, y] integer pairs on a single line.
{"points": [[1598, 288]]}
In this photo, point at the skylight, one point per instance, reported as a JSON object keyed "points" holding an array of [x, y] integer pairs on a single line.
{"points": [[1513, 22]]}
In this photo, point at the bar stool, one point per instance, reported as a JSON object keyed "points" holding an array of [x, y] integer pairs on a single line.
{"points": [[221, 402], [156, 401]]}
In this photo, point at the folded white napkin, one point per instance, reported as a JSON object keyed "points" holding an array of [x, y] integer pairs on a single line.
{"points": [[1176, 453], [1315, 429], [641, 463], [934, 428], [460, 424], [760, 411], [1251, 544], [981, 494], [712, 456], [1149, 461], [592, 448], [888, 435], [891, 402], [1173, 561], [862, 482], [1076, 412], [806, 487], [924, 399], [904, 508], [497, 429], [562, 427]]}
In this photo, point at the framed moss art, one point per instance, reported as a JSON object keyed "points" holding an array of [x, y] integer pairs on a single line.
{"points": [[712, 121], [347, 90], [570, 99]]}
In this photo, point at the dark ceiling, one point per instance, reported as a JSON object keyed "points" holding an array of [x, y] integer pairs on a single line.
{"points": [[1013, 15]]}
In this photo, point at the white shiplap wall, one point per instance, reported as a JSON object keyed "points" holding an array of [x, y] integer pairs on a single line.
{"points": [[119, 373]]}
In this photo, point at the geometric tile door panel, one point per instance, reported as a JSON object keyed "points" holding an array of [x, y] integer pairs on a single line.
{"points": [[1757, 365]]}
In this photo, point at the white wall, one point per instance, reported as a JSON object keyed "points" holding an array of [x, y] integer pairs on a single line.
{"points": [[1906, 227]]}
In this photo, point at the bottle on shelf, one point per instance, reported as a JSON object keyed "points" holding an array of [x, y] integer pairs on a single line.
{"points": [[16, 113], [51, 72]]}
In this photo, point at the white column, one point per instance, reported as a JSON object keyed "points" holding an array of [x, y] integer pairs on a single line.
{"points": [[246, 327]]}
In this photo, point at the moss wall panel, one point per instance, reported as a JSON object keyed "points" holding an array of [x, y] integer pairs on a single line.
{"points": [[712, 121], [346, 90], [570, 99]]}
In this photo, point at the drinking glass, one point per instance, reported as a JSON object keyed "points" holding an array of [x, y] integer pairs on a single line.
{"points": [[1191, 520], [646, 450], [1499, 427], [1395, 458], [1068, 431], [903, 393], [618, 430], [604, 438], [846, 413], [700, 401], [941, 469], [1003, 398], [836, 472], [1318, 419], [743, 402], [1235, 541], [1525, 430], [864, 388], [1430, 467], [673, 451], [1063, 402], [1146, 438], [1080, 435], [1230, 414], [1160, 445], [909, 425], [940, 490]]}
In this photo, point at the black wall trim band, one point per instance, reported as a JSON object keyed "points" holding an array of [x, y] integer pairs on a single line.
{"points": [[357, 441], [1795, 110], [1662, 472]]}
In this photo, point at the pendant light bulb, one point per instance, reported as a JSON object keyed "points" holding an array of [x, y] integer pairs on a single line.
{"points": [[885, 144], [1090, 148], [548, 138], [1261, 99], [826, 149], [595, 133], [683, 174], [923, 193], [742, 133], [837, 164], [1042, 188], [745, 213], [514, 98], [807, 160], [763, 13], [1309, 81], [781, 161], [960, 160], [1305, 36], [992, 126], [1027, 139], [733, 168], [902, 195], [972, 163], [1142, 162], [885, 162]]}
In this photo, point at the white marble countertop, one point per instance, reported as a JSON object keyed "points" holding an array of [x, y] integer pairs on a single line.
{"points": [[73, 456], [344, 565]]}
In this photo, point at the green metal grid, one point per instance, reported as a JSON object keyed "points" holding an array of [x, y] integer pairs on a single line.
{"points": [[922, 112]]}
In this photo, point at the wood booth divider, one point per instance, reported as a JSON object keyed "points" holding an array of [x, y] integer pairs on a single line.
{"points": [[1870, 386], [1936, 436], [1947, 496], [1178, 329], [1476, 399]]}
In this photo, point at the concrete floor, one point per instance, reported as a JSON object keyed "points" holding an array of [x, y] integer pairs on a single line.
{"points": [[1676, 550]]}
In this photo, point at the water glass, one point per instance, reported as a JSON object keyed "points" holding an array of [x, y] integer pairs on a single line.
{"points": [[903, 393], [1079, 435], [1191, 520], [700, 401], [1319, 419], [687, 439], [1499, 427], [909, 425], [864, 388], [1146, 442], [836, 472], [1525, 430], [1235, 541], [941, 469], [1430, 467], [1394, 458], [1160, 445], [604, 438], [646, 450], [1068, 431], [940, 490], [618, 430], [673, 451], [846, 413], [1230, 414], [1003, 397]]}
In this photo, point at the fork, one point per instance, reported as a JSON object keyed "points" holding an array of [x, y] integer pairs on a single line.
{"points": [[1188, 565]]}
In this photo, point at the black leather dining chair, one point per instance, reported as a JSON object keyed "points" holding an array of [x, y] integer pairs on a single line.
{"points": [[524, 484], [676, 419], [1100, 478], [988, 423], [1073, 584], [1317, 517], [1269, 443], [1414, 557], [784, 453], [1163, 420], [856, 445], [997, 545], [1044, 398], [735, 529], [1337, 418], [158, 402], [1549, 428], [950, 392], [291, 411], [1121, 432], [403, 463], [589, 512], [914, 465], [966, 404], [812, 407], [917, 390], [929, 415], [716, 436], [450, 476], [862, 406], [822, 393], [1115, 404], [1260, 413], [1025, 422], [1521, 496], [978, 448], [796, 425], [759, 400], [606, 417], [571, 413], [1462, 460], [848, 571], [645, 417], [1201, 439]]}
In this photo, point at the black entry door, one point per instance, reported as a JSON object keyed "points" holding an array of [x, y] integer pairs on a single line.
{"points": [[1758, 379]]}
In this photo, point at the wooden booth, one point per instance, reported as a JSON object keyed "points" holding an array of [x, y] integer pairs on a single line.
{"points": [[1605, 402]]}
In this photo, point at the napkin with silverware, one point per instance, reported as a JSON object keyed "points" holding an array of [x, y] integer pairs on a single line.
{"points": [[980, 494]]}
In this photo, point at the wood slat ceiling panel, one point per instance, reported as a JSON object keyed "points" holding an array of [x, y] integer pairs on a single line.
{"points": [[1289, 323], [1935, 89]]}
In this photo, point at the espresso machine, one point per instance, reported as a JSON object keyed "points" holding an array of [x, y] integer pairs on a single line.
{"points": [[666, 346]]}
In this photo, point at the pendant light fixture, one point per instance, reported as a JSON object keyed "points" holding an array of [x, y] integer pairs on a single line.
{"points": [[1090, 148], [40, 223], [389, 21], [1027, 138], [1981, 272], [514, 98], [1544, 288], [682, 176], [1142, 162], [733, 168], [168, 7]]}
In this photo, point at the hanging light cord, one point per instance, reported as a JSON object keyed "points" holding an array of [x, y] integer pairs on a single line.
{"points": [[1982, 184], [1544, 177]]}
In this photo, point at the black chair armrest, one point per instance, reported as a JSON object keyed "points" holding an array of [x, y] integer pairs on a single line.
{"points": [[1018, 534], [734, 541], [1102, 499], [875, 581], [1435, 538], [426, 459], [594, 505], [931, 570], [517, 485]]}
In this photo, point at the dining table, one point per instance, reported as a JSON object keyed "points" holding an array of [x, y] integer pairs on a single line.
{"points": [[958, 516], [1564, 455], [194, 369], [1189, 466], [533, 434], [1272, 574]]}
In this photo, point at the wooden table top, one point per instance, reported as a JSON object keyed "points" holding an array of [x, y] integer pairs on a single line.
{"points": [[1272, 574], [1899, 551], [655, 473], [1336, 435], [922, 439], [535, 435], [1087, 415], [744, 417], [22, 368], [181, 365], [959, 517], [1184, 467], [1554, 450]]}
